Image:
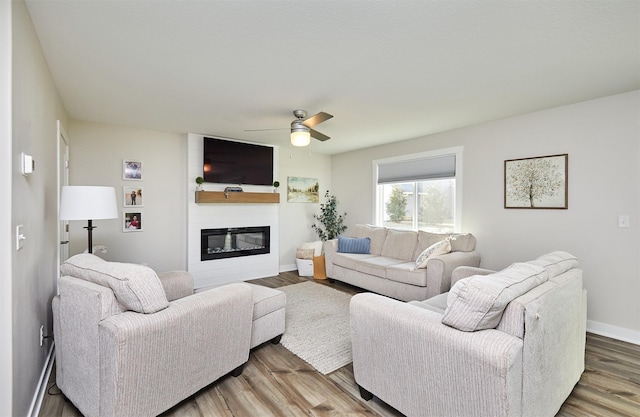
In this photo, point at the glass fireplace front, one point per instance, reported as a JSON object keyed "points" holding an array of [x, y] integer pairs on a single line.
{"points": [[232, 242]]}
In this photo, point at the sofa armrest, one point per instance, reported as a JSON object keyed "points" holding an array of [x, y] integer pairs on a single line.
{"points": [[186, 346], [435, 369], [462, 272], [176, 284], [329, 248], [440, 268]]}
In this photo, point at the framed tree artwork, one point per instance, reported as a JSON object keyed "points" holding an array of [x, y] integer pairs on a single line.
{"points": [[536, 183]]}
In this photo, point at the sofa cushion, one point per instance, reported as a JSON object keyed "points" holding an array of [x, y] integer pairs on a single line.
{"points": [[377, 235], [478, 302], [406, 273], [556, 263], [399, 244], [438, 248], [354, 244], [349, 260], [376, 265], [136, 287], [437, 304]]}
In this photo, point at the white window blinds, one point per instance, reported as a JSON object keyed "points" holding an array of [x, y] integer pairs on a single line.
{"points": [[443, 166]]}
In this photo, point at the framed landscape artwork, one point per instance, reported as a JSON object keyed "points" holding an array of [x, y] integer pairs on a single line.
{"points": [[302, 190], [536, 183]]}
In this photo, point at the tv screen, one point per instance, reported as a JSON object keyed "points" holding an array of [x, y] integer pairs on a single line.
{"points": [[229, 162]]}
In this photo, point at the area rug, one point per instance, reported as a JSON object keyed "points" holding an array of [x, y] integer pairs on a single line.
{"points": [[317, 325]]}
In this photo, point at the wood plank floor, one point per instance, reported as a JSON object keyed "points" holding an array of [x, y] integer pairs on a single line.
{"points": [[277, 383]]}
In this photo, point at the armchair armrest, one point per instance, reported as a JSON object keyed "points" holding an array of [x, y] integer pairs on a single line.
{"points": [[462, 272], [435, 369], [176, 284], [193, 342], [440, 268]]}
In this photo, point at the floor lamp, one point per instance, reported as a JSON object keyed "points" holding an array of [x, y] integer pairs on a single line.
{"points": [[88, 203]]}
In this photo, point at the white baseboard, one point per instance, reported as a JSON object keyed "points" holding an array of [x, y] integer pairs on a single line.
{"points": [[614, 332], [289, 267], [36, 403]]}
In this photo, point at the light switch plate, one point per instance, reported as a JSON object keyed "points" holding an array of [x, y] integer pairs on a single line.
{"points": [[623, 221], [27, 164], [20, 237]]}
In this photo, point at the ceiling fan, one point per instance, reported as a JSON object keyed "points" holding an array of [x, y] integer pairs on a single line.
{"points": [[301, 128]]}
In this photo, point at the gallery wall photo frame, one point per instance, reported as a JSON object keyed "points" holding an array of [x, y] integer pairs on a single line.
{"points": [[302, 190], [132, 196], [132, 170], [540, 182], [131, 221]]}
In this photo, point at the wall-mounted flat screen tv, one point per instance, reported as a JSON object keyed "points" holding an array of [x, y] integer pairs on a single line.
{"points": [[230, 162]]}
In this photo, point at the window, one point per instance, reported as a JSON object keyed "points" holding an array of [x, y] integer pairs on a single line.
{"points": [[420, 191]]}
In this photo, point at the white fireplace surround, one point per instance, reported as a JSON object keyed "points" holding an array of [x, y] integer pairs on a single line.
{"points": [[211, 216]]}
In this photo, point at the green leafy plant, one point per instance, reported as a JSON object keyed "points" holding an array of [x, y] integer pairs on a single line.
{"points": [[397, 205], [331, 224]]}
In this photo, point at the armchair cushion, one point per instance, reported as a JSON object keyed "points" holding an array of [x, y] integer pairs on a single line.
{"points": [[136, 287], [477, 302]]}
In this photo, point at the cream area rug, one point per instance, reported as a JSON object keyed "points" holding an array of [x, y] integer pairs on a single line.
{"points": [[317, 325]]}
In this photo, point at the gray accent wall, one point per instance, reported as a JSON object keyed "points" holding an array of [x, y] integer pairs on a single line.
{"points": [[602, 138]]}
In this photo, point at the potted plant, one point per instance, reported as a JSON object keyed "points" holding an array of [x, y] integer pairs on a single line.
{"points": [[276, 184], [199, 181], [331, 224]]}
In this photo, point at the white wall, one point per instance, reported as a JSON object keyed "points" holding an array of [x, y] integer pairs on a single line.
{"points": [[36, 107], [97, 152], [602, 138], [296, 218]]}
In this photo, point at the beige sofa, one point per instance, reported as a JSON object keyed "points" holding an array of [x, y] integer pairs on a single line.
{"points": [[510, 343], [390, 267], [130, 343]]}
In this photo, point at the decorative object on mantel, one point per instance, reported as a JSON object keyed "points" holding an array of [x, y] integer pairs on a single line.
{"points": [[276, 184], [199, 181], [228, 190], [302, 190], [331, 223], [536, 183]]}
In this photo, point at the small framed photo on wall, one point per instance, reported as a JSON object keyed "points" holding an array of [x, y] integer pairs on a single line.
{"points": [[132, 196], [132, 221], [131, 170]]}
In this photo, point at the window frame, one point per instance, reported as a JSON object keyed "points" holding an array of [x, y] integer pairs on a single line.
{"points": [[378, 203]]}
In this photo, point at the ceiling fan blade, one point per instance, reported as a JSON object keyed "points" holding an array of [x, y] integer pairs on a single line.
{"points": [[316, 119], [317, 135], [260, 130]]}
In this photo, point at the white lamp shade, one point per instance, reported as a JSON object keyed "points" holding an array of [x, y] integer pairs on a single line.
{"points": [[300, 138], [88, 203]]}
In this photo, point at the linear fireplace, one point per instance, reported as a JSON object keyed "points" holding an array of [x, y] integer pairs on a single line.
{"points": [[232, 242]]}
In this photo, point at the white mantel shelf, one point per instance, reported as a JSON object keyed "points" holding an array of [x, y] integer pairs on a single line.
{"points": [[220, 197]]}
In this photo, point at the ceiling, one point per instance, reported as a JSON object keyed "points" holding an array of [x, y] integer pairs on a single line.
{"points": [[386, 70]]}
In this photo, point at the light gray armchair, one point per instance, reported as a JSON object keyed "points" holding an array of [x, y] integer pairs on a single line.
{"points": [[510, 343], [124, 349]]}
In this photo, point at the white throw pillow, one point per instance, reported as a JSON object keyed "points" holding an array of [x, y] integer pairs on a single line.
{"points": [[438, 248]]}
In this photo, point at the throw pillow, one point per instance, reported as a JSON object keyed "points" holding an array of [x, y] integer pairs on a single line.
{"points": [[136, 287], [478, 302], [354, 245], [438, 248], [305, 253]]}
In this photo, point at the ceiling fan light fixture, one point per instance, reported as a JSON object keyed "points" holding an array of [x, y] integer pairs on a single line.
{"points": [[300, 138]]}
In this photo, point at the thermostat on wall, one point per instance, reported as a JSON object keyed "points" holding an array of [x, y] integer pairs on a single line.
{"points": [[28, 164]]}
